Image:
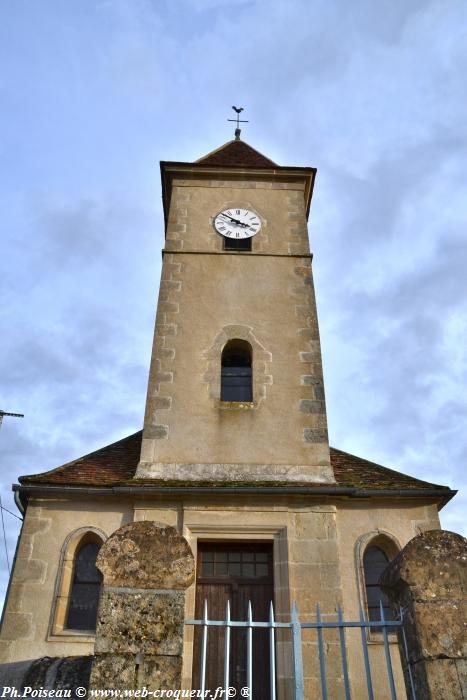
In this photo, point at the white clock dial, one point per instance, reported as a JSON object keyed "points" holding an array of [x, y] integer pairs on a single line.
{"points": [[237, 223]]}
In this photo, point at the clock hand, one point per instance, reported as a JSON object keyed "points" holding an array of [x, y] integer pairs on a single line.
{"points": [[231, 218], [240, 223]]}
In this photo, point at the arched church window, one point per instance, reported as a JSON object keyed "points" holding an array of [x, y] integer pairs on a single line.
{"points": [[236, 371], [85, 588], [375, 560]]}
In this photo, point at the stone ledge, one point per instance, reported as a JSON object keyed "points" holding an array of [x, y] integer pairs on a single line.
{"points": [[287, 473]]}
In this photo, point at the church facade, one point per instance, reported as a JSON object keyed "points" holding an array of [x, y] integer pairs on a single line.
{"points": [[234, 450]]}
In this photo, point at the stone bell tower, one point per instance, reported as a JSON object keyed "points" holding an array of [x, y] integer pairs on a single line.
{"points": [[236, 274]]}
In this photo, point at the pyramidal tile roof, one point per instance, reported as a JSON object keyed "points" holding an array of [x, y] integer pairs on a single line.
{"points": [[236, 153], [115, 465]]}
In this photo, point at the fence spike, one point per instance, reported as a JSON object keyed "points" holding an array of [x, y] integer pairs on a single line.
{"points": [[227, 650], [271, 612], [249, 651], [366, 660], [204, 647], [272, 652], [345, 669], [322, 664], [387, 652], [297, 653]]}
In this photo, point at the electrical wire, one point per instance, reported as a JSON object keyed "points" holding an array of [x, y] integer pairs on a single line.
{"points": [[10, 513], [4, 537]]}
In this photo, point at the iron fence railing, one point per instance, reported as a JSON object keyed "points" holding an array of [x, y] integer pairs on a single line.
{"points": [[382, 626]]}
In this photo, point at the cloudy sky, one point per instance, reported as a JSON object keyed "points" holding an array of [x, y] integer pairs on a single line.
{"points": [[95, 92]]}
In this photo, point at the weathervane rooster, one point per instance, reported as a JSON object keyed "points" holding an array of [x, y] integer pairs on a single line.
{"points": [[238, 110]]}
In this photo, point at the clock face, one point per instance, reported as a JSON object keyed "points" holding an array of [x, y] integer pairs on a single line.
{"points": [[237, 223]]}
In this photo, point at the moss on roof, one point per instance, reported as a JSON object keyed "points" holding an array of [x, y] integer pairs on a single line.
{"points": [[115, 465]]}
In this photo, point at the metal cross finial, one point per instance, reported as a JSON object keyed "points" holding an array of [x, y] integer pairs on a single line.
{"points": [[6, 413], [238, 120]]}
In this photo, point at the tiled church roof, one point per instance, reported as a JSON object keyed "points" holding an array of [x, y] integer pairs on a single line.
{"points": [[115, 465], [236, 153]]}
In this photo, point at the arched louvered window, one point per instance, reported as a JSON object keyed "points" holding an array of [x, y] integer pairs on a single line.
{"points": [[236, 372], [375, 560], [85, 589]]}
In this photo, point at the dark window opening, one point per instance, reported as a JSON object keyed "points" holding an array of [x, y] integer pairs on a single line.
{"points": [[237, 243], [236, 374], [375, 560], [85, 589], [236, 562]]}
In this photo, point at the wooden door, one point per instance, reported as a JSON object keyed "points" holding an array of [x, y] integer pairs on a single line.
{"points": [[239, 572]]}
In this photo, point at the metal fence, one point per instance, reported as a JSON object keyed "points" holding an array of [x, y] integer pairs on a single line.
{"points": [[296, 626]]}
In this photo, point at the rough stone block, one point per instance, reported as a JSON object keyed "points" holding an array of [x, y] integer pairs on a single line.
{"points": [[314, 435], [308, 333], [314, 551], [33, 526], [167, 328], [166, 353], [302, 310], [311, 406], [169, 269], [310, 357], [162, 672], [162, 403], [298, 248], [140, 622], [314, 526], [17, 626], [330, 576], [309, 380], [442, 626], [172, 285], [30, 570], [319, 392], [176, 228], [173, 245], [16, 597], [128, 557], [157, 432], [303, 271], [169, 306], [441, 679], [164, 377]]}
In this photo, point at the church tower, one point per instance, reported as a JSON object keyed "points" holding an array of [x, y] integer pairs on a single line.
{"points": [[234, 455], [235, 386]]}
